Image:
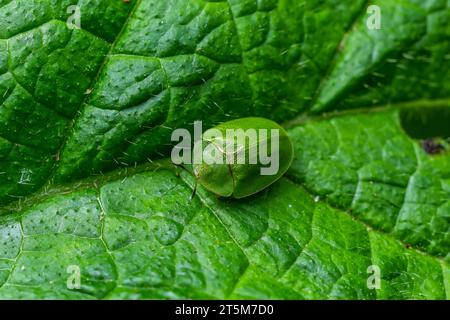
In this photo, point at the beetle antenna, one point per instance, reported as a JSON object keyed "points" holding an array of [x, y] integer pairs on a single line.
{"points": [[194, 192]]}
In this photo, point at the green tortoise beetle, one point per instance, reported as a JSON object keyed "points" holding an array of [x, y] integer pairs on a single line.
{"points": [[241, 157]]}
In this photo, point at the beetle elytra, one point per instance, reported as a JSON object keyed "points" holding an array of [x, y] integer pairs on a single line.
{"points": [[242, 157]]}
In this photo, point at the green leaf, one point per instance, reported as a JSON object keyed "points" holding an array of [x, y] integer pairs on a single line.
{"points": [[82, 111]]}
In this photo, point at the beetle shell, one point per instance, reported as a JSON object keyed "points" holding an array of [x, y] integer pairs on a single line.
{"points": [[242, 180]]}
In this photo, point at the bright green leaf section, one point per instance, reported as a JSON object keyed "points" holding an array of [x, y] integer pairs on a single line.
{"points": [[407, 59], [367, 164], [138, 235], [46, 70], [141, 237], [108, 95], [360, 192]]}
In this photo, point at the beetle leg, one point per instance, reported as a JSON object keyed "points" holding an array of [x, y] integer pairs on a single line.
{"points": [[194, 191]]}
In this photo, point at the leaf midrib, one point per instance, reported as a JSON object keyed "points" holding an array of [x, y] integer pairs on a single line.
{"points": [[97, 182]]}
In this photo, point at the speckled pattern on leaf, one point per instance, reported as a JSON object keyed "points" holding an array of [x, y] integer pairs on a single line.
{"points": [[83, 112]]}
